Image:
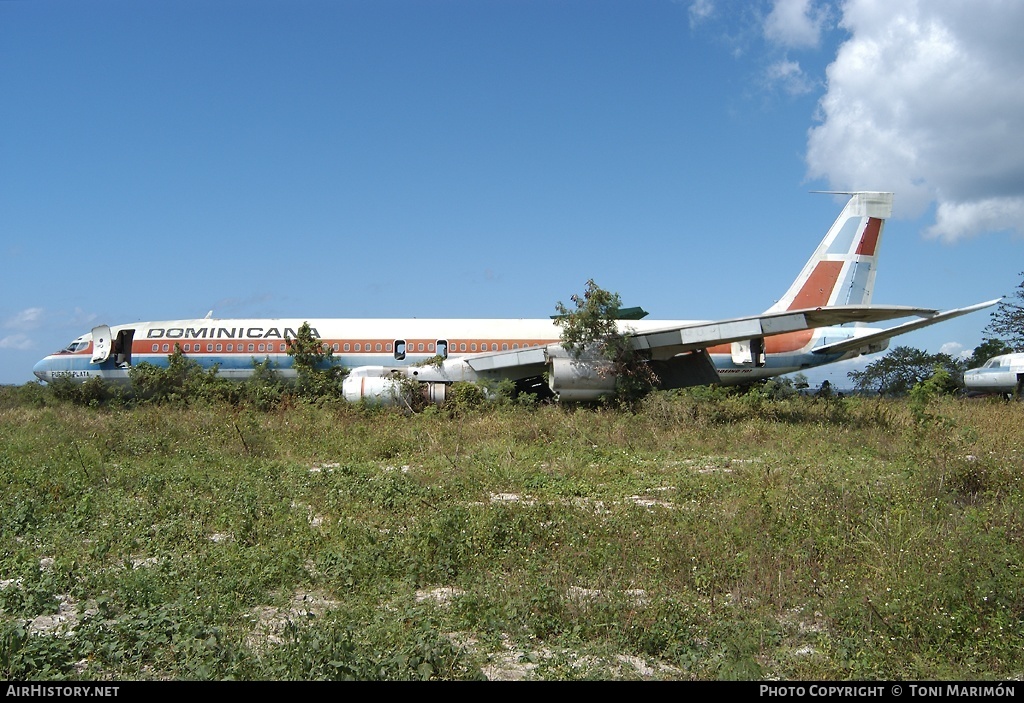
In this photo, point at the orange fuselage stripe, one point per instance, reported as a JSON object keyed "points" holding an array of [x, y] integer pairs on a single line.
{"points": [[777, 344], [367, 346]]}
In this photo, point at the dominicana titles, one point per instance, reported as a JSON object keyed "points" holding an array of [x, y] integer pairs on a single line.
{"points": [[224, 333]]}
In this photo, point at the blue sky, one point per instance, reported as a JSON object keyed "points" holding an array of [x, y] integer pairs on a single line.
{"points": [[476, 158]]}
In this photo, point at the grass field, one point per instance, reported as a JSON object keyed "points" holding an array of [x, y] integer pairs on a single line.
{"points": [[703, 537]]}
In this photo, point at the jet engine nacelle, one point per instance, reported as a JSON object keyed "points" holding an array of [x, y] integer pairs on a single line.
{"points": [[381, 386], [581, 380]]}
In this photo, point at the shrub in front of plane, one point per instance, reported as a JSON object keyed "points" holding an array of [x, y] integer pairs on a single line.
{"points": [[590, 331], [465, 396], [317, 376], [263, 389], [182, 380], [94, 392], [927, 390]]}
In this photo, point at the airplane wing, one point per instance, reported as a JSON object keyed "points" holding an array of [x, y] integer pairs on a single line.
{"points": [[665, 343], [668, 342], [887, 334]]}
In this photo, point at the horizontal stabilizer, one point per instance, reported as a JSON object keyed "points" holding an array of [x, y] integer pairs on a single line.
{"points": [[887, 334], [634, 313]]}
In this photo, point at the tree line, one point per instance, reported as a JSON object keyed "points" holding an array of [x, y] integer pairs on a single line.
{"points": [[896, 373]]}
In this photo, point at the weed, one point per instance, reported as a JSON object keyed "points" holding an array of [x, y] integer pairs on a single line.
{"points": [[703, 534]]}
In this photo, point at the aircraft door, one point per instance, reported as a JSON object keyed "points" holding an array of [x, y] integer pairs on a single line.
{"points": [[100, 344], [123, 348]]}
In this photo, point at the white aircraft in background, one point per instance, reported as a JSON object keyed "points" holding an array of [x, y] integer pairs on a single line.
{"points": [[820, 320], [1003, 374]]}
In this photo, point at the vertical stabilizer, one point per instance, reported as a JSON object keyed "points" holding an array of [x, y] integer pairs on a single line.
{"points": [[842, 269]]}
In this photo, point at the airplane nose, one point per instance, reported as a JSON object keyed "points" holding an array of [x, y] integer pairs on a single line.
{"points": [[42, 370]]}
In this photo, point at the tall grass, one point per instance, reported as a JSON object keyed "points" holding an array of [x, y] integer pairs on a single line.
{"points": [[701, 537]]}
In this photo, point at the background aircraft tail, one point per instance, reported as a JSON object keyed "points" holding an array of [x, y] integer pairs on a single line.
{"points": [[842, 269]]}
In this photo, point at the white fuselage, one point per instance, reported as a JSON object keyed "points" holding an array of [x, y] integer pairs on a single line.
{"points": [[1001, 374], [233, 346]]}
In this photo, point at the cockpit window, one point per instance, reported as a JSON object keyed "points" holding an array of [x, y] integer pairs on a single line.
{"points": [[75, 346]]}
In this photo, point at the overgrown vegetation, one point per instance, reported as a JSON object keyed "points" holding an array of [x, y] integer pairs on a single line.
{"points": [[590, 331], [708, 534], [190, 527], [316, 375], [1007, 321], [902, 368], [314, 378]]}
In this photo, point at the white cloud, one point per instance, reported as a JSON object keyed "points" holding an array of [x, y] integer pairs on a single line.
{"points": [[790, 77], [927, 99], [39, 318], [16, 341], [79, 318], [956, 220], [956, 350], [795, 24], [700, 10], [26, 319]]}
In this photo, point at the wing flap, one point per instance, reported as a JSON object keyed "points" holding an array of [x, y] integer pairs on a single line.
{"points": [[493, 361], [668, 342]]}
